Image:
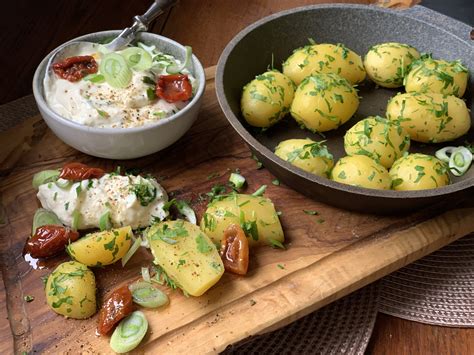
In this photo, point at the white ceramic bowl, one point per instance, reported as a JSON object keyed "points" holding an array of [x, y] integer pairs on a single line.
{"points": [[123, 143]]}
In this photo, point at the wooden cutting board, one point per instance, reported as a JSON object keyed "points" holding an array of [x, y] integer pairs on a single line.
{"points": [[328, 255]]}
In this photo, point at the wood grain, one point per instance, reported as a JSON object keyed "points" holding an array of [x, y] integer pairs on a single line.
{"points": [[323, 261]]}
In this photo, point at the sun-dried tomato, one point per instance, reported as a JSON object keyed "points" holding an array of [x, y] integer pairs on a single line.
{"points": [[173, 88], [117, 306], [235, 250], [79, 171], [49, 240], [75, 68]]}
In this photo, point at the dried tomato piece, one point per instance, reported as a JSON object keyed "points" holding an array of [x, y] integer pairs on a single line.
{"points": [[49, 240], [173, 88], [117, 306], [79, 171], [235, 250], [75, 68]]}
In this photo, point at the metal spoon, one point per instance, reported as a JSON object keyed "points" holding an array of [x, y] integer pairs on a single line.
{"points": [[140, 23]]}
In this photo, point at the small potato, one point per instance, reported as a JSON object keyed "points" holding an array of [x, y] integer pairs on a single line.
{"points": [[306, 154], [323, 102], [70, 290], [380, 139], [360, 170], [186, 254], [418, 172], [267, 98], [256, 215], [324, 58], [386, 63], [430, 118], [437, 76], [101, 248]]}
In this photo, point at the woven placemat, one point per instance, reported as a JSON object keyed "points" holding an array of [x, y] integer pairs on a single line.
{"points": [[343, 327], [437, 289]]}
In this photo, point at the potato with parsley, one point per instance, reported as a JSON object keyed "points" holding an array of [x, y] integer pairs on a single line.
{"points": [[101, 248], [430, 118], [70, 290], [186, 254], [324, 58], [380, 139], [362, 171], [255, 214], [386, 64], [267, 98], [418, 172], [324, 102], [429, 75], [306, 154]]}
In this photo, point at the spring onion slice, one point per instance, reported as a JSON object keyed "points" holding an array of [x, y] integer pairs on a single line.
{"points": [[44, 177], [260, 191], [95, 78], [460, 161], [44, 217], [183, 208], [129, 333], [104, 222], [146, 274], [137, 58], [115, 70], [147, 295], [237, 180], [63, 183], [149, 49], [133, 249], [76, 219], [175, 69], [445, 153]]}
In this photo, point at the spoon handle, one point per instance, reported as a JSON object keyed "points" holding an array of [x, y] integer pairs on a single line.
{"points": [[155, 10]]}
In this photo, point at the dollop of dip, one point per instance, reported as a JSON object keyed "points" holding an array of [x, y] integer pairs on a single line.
{"points": [[92, 101], [130, 200]]}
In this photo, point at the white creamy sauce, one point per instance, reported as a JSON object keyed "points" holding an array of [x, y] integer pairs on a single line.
{"points": [[101, 105], [111, 193]]}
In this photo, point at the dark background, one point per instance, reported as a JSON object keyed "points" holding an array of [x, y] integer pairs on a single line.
{"points": [[30, 29]]}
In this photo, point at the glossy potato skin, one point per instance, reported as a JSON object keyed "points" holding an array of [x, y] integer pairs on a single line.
{"points": [[386, 64], [240, 208], [101, 248], [324, 58], [419, 172], [323, 102], [186, 254], [437, 76], [430, 118], [267, 98], [70, 290], [380, 139], [306, 154], [362, 171]]}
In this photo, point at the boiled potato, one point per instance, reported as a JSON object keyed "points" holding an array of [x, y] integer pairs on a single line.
{"points": [[430, 118], [255, 214], [186, 254], [360, 170], [306, 154], [101, 248], [437, 76], [323, 102], [267, 98], [418, 172], [386, 63], [324, 58], [380, 139], [70, 290]]}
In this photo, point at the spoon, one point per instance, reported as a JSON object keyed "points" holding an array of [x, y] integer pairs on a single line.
{"points": [[140, 24]]}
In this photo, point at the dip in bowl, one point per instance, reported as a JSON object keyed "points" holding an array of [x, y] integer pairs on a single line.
{"points": [[124, 118]]}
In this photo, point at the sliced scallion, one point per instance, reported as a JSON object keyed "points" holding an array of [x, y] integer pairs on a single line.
{"points": [[63, 183], [175, 69], [44, 177], [147, 295], [129, 333], [95, 78], [137, 58], [133, 249], [260, 191], [444, 154], [76, 220], [104, 221], [460, 161], [44, 217], [146, 274], [237, 180], [115, 70]]}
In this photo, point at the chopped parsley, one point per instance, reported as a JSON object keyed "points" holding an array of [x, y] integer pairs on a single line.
{"points": [[145, 192], [202, 245]]}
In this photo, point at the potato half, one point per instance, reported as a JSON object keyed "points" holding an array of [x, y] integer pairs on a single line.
{"points": [[323, 102]]}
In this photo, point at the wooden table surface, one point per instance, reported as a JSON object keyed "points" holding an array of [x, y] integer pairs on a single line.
{"points": [[206, 25]]}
